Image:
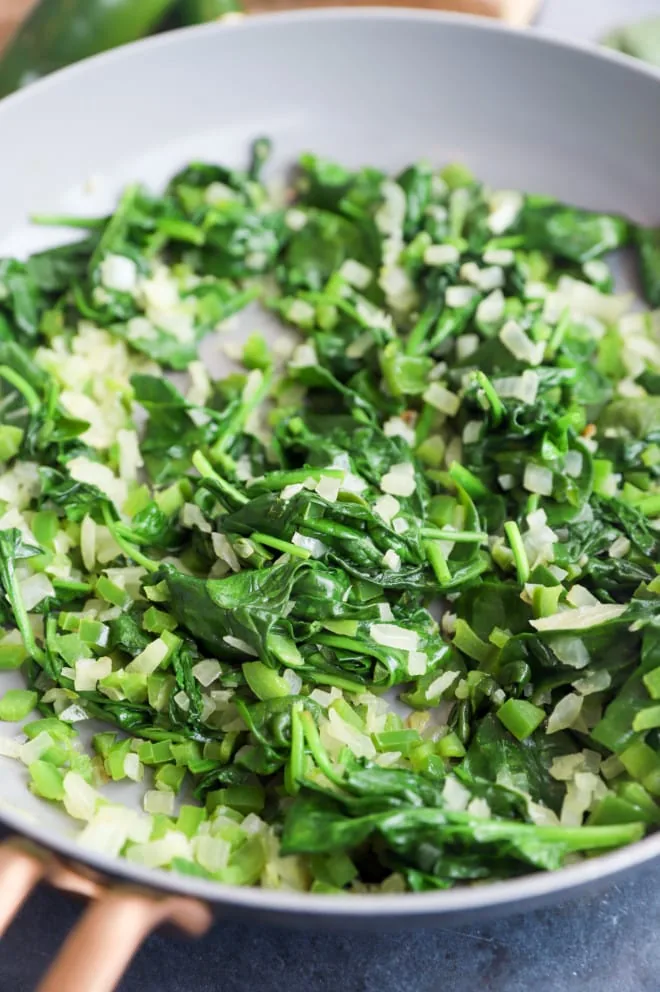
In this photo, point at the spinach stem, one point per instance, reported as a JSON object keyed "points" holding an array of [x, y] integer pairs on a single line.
{"points": [[494, 402], [129, 549], [456, 536], [285, 546], [317, 750], [206, 470], [23, 386], [438, 562], [296, 766], [472, 485], [515, 540]]}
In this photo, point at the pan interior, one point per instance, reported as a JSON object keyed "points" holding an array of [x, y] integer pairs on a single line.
{"points": [[381, 88]]}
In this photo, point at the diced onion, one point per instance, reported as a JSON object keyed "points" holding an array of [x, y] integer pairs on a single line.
{"points": [[295, 219], [345, 734], [290, 491], [469, 272], [304, 355], [583, 299], [619, 547], [565, 713], [355, 273], [239, 644], [597, 682], [359, 347], [206, 671], [479, 808], [80, 798], [192, 516], [580, 596], [417, 663], [397, 427], [573, 461], [212, 853], [564, 767], [596, 270], [490, 278], [88, 671], [521, 347], [133, 767], [158, 853], [328, 487], [386, 507], [490, 309], [398, 287], [224, 550], [400, 480], [84, 470], [572, 651], [119, 273], [392, 636], [520, 387], [505, 205], [439, 255], [442, 399], [312, 544], [459, 296], [499, 256], [148, 660], [455, 796], [293, 680], [580, 619], [88, 542], [32, 750], [392, 561], [466, 345], [440, 685], [35, 589], [130, 459], [538, 479], [73, 714], [159, 801], [10, 747], [218, 193], [472, 431]]}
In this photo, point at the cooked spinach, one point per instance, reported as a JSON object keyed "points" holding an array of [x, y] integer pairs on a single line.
{"points": [[448, 487]]}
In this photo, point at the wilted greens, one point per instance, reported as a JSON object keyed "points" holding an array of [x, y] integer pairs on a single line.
{"points": [[379, 609]]}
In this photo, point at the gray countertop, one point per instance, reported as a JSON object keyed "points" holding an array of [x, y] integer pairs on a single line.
{"points": [[607, 943]]}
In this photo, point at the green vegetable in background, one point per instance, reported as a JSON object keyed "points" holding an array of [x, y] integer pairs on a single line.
{"points": [[56, 34], [640, 39], [201, 11]]}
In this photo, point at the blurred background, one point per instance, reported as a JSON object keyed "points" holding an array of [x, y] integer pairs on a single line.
{"points": [[39, 36]]}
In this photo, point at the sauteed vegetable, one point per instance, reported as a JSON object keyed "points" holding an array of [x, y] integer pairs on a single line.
{"points": [[379, 609]]}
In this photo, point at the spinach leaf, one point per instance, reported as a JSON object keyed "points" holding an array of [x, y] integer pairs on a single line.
{"points": [[577, 235], [647, 241]]}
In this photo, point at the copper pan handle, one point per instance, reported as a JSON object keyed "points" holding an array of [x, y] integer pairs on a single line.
{"points": [[102, 944], [21, 869], [99, 949]]}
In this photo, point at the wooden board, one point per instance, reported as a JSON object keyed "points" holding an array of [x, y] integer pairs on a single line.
{"points": [[518, 12], [12, 13]]}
